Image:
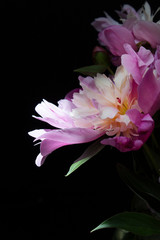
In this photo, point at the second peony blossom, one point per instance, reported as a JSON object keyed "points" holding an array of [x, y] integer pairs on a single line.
{"points": [[101, 107]]}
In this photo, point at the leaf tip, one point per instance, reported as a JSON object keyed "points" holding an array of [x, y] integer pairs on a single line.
{"points": [[67, 174], [93, 230]]}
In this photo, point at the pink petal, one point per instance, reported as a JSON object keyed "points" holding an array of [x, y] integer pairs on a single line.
{"points": [[146, 56], [56, 116], [101, 23], [48, 146], [136, 63], [88, 82], [123, 144], [149, 93], [73, 135], [157, 66], [144, 122], [55, 139], [148, 32], [131, 66], [114, 37], [69, 95]]}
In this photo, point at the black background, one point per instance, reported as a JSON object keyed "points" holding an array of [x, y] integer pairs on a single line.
{"points": [[41, 44]]}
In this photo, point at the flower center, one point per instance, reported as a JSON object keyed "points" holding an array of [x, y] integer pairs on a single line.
{"points": [[122, 107]]}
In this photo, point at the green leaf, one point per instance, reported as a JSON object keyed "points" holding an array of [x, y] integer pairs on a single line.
{"points": [[92, 70], [90, 152], [138, 183], [138, 223]]}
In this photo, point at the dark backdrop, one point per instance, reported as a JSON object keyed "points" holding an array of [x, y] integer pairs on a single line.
{"points": [[41, 44]]}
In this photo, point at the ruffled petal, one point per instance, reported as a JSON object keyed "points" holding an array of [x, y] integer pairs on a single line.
{"points": [[144, 124], [149, 93], [136, 63], [56, 116]]}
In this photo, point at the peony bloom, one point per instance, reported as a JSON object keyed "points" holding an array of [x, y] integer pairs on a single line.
{"points": [[139, 28], [102, 107]]}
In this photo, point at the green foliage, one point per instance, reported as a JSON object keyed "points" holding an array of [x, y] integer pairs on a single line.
{"points": [[101, 64], [90, 152], [91, 70], [137, 223]]}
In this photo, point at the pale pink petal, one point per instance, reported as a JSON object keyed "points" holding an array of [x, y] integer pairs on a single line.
{"points": [[109, 112], [56, 116], [127, 11], [148, 32], [40, 160], [131, 66], [66, 107], [102, 22], [88, 82], [73, 135], [37, 133]]}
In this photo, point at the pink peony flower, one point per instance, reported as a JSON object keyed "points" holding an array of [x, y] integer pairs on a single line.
{"points": [[139, 24], [102, 107]]}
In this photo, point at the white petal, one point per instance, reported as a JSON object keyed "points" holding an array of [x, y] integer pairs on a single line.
{"points": [[37, 133], [109, 112], [120, 78], [40, 160]]}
